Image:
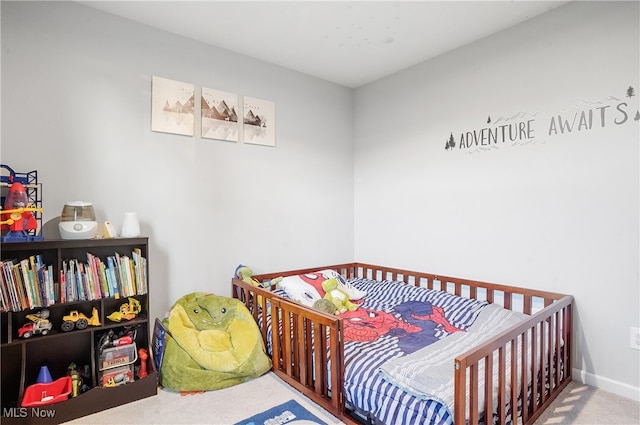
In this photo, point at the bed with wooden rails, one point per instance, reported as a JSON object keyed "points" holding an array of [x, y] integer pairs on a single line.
{"points": [[416, 347]]}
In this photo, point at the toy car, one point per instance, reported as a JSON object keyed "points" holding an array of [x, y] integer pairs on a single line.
{"points": [[39, 325], [78, 320], [34, 328]]}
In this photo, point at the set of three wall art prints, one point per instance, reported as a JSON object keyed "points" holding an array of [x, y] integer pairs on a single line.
{"points": [[173, 110]]}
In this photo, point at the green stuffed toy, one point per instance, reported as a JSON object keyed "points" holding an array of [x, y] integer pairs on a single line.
{"points": [[337, 296], [325, 306], [212, 342], [245, 274]]}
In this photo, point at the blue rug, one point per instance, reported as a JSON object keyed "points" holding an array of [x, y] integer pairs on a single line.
{"points": [[288, 413]]}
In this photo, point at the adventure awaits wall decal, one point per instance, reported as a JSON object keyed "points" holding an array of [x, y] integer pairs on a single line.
{"points": [[524, 128]]}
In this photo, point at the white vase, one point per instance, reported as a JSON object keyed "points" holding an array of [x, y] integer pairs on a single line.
{"points": [[130, 225]]}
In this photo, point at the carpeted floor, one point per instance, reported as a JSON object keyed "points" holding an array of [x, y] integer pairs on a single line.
{"points": [[222, 407], [585, 405], [578, 404]]}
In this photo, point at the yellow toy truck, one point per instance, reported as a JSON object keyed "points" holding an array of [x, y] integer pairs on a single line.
{"points": [[78, 320], [126, 312]]}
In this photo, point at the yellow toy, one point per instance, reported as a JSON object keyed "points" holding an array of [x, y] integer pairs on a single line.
{"points": [[78, 320], [245, 274], [127, 311], [338, 297]]}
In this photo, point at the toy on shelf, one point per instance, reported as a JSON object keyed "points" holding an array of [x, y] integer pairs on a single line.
{"points": [[21, 212], [76, 380], [17, 216], [116, 359], [113, 339], [116, 377], [44, 376], [46, 390], [78, 320], [39, 325], [126, 311], [143, 355]]}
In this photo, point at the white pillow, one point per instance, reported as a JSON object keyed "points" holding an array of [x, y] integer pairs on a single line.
{"points": [[298, 285], [299, 290]]}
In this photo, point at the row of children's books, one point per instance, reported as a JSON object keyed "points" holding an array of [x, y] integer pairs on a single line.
{"points": [[29, 283]]}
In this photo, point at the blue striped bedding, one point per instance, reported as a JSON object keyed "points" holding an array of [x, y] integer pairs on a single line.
{"points": [[394, 320], [365, 388]]}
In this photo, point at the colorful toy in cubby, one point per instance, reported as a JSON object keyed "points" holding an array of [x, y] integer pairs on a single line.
{"points": [[22, 213], [39, 324], [126, 311], [78, 320], [46, 391]]}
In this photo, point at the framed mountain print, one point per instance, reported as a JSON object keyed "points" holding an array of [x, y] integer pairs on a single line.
{"points": [[172, 105], [219, 115], [259, 122]]}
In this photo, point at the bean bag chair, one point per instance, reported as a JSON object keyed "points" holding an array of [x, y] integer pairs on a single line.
{"points": [[212, 342]]}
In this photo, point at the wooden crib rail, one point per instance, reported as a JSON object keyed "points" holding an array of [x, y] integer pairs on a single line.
{"points": [[545, 364], [524, 300], [490, 292], [307, 348]]}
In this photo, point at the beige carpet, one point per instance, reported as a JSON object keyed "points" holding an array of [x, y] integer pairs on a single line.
{"points": [[221, 407], [578, 404], [585, 405]]}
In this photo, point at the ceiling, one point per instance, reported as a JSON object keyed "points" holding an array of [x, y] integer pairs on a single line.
{"points": [[350, 43]]}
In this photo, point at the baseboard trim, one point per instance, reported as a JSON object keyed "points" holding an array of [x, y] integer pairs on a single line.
{"points": [[606, 384]]}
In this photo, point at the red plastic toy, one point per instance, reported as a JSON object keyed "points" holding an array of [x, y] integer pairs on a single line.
{"points": [[17, 216], [47, 393], [144, 355]]}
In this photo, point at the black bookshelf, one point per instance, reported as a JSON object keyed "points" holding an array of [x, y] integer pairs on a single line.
{"points": [[22, 358]]}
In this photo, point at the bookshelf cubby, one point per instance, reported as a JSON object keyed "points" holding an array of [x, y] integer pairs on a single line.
{"points": [[22, 357]]}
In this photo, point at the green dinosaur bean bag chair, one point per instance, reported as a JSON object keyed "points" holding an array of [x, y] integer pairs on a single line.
{"points": [[212, 342]]}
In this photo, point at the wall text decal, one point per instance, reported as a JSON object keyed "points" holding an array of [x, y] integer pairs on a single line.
{"points": [[523, 128]]}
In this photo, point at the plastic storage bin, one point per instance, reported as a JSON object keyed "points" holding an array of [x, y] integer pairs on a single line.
{"points": [[116, 365]]}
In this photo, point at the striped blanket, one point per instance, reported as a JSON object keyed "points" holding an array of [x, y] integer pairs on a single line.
{"points": [[428, 373], [392, 322]]}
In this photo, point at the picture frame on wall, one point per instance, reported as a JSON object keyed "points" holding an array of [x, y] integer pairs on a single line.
{"points": [[219, 115], [259, 122], [172, 106]]}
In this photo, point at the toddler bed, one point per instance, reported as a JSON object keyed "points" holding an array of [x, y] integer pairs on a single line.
{"points": [[411, 329]]}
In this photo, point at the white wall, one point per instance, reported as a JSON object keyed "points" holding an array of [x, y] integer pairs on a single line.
{"points": [[559, 214], [76, 86]]}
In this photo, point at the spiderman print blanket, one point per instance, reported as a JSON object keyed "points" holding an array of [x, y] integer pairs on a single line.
{"points": [[428, 374], [393, 321]]}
